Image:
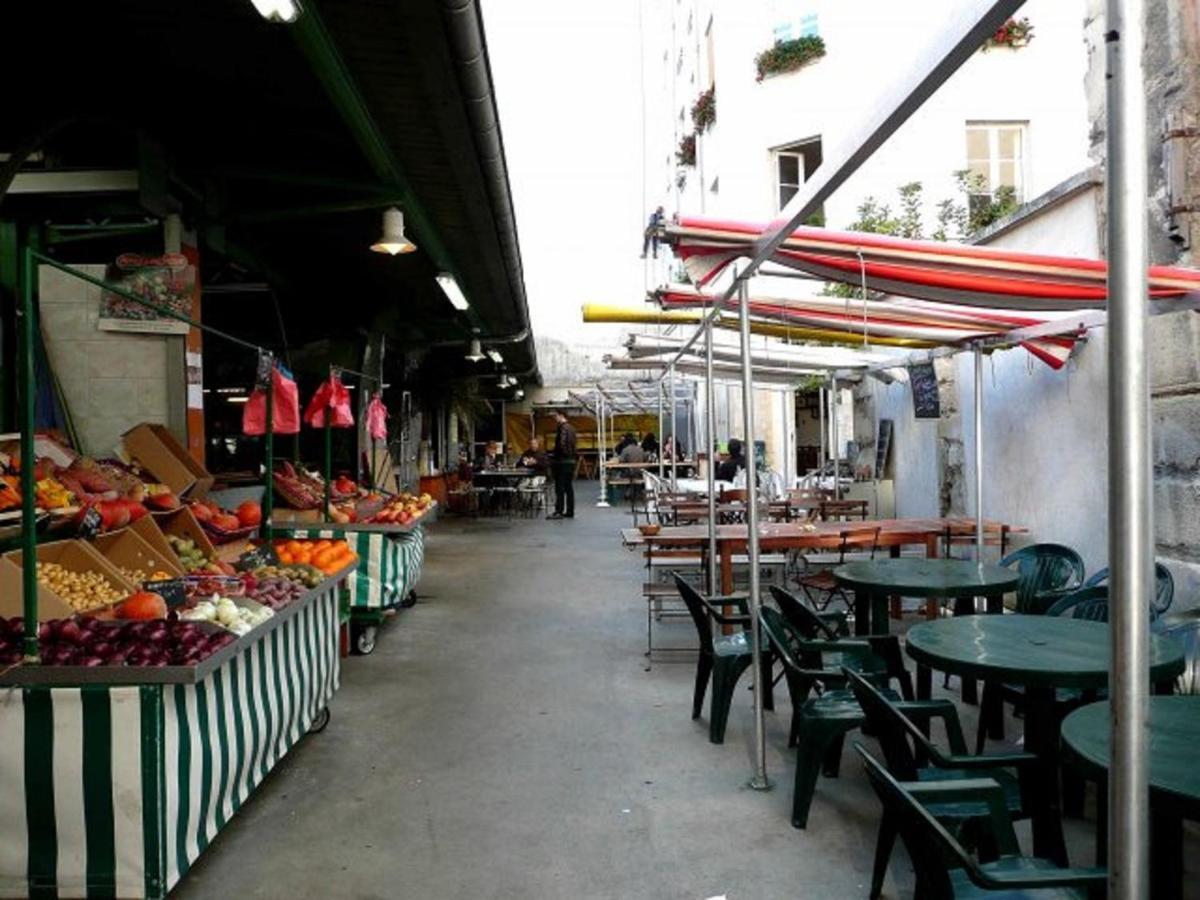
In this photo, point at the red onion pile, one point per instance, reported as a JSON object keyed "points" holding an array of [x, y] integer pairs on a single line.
{"points": [[85, 641]]}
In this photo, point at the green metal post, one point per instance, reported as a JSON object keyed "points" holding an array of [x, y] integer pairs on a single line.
{"points": [[269, 444], [29, 583], [329, 461]]}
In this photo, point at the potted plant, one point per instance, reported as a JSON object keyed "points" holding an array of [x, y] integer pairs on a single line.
{"points": [[788, 56], [1015, 33], [704, 110], [686, 154]]}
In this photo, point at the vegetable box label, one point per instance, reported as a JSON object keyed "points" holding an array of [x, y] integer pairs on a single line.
{"points": [[256, 559], [172, 590]]}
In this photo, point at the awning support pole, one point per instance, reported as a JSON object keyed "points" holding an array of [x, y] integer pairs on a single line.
{"points": [[29, 583], [759, 781], [978, 453], [601, 451], [710, 415], [661, 436], [674, 440], [821, 400], [835, 448], [1130, 503]]}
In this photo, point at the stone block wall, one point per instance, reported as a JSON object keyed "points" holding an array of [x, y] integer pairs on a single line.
{"points": [[111, 380]]}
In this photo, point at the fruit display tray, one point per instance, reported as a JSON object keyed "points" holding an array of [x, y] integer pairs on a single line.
{"points": [[66, 676]]}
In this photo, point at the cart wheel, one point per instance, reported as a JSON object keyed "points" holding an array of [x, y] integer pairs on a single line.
{"points": [[410, 600], [321, 721], [364, 641]]}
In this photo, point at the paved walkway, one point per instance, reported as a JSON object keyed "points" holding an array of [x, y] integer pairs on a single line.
{"points": [[504, 741]]}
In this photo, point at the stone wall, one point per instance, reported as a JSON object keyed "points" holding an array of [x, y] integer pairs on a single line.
{"points": [[111, 380]]}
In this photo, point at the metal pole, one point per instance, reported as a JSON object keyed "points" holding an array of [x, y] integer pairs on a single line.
{"points": [[601, 451], [328, 462], [29, 583], [759, 781], [710, 414], [661, 437], [269, 453], [978, 453], [821, 400], [1130, 503], [835, 449], [674, 439]]}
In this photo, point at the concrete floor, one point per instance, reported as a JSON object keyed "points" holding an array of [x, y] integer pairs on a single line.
{"points": [[505, 741]]}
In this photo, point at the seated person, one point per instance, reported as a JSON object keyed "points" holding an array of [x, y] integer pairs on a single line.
{"points": [[533, 457], [491, 457], [632, 453], [650, 444], [624, 442], [728, 469]]}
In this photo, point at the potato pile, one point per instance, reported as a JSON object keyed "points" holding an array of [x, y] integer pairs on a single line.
{"points": [[83, 591]]}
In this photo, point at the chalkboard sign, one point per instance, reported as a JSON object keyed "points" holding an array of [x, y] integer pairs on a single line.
{"points": [[257, 558], [923, 379]]}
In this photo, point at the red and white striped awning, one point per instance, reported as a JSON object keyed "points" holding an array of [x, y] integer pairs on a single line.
{"points": [[928, 270], [942, 323]]}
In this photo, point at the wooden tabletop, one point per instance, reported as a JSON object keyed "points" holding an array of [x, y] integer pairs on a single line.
{"points": [[927, 577], [1035, 651], [815, 532]]}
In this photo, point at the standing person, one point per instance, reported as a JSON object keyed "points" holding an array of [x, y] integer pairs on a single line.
{"points": [[564, 468]]}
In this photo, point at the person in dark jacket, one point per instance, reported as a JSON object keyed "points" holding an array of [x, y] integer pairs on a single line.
{"points": [[650, 443], [728, 469], [563, 456], [533, 457]]}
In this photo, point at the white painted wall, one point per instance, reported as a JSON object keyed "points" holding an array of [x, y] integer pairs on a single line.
{"points": [[866, 42]]}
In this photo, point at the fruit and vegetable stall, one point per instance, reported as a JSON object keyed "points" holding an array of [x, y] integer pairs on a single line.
{"points": [[158, 658]]}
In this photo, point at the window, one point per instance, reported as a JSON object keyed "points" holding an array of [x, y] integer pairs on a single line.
{"points": [[793, 166], [789, 23], [996, 155]]}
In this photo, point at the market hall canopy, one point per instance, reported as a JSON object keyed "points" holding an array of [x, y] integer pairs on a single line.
{"points": [[281, 145], [927, 270]]}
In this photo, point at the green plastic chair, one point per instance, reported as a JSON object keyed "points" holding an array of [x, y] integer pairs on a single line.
{"points": [[912, 756], [1164, 585], [822, 709], [1047, 573], [831, 626], [945, 870], [723, 658]]}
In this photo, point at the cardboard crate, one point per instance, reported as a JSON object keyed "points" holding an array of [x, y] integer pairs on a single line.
{"points": [[75, 556], [127, 549], [160, 454], [289, 516]]}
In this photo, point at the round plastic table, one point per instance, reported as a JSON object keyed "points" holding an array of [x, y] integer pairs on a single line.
{"points": [[874, 581], [1041, 653], [1174, 779]]}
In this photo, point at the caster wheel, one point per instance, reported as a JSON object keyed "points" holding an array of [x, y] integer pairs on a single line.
{"points": [[321, 722], [364, 640], [409, 601]]}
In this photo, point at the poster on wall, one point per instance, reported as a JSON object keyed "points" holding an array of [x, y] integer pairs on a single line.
{"points": [[166, 281], [926, 399]]}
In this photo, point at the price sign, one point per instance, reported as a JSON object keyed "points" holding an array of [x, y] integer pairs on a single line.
{"points": [[263, 555], [172, 590]]}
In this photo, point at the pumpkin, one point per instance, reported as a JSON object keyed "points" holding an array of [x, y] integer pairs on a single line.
{"points": [[143, 605]]}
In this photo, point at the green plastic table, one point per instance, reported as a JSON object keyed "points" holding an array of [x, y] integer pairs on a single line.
{"points": [[1174, 778], [874, 581], [1041, 653]]}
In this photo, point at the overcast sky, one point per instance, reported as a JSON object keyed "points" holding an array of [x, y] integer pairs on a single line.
{"points": [[567, 84]]}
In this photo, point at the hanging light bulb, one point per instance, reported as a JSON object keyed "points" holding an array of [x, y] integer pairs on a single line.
{"points": [[393, 240], [475, 354]]}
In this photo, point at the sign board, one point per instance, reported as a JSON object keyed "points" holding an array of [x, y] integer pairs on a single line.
{"points": [[167, 281], [263, 555], [926, 399]]}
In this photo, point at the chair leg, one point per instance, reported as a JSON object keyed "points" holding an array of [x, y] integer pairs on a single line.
{"points": [[766, 661], [1072, 793], [814, 745], [991, 715], [883, 853], [832, 764], [704, 666], [726, 672]]}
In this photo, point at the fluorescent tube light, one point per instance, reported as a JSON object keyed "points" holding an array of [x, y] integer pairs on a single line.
{"points": [[452, 291]]}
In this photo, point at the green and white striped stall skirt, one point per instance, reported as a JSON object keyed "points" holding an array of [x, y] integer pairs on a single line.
{"points": [[389, 565], [114, 791]]}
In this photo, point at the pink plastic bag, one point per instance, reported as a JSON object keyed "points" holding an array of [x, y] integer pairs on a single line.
{"points": [[285, 407], [332, 396], [377, 415]]}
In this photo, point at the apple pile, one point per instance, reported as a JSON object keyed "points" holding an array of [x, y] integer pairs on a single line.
{"points": [[247, 515], [402, 509], [275, 591], [85, 641]]}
